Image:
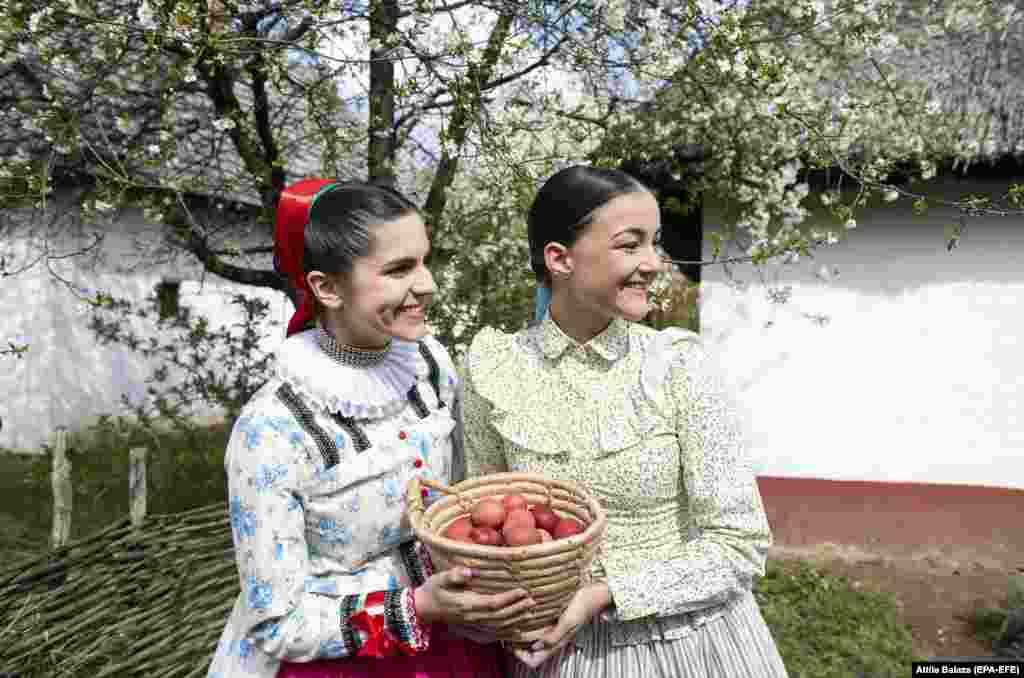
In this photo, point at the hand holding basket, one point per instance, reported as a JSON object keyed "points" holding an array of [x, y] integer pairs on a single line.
{"points": [[551, 571]]}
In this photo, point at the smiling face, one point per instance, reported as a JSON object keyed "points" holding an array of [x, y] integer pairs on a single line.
{"points": [[612, 264], [386, 293]]}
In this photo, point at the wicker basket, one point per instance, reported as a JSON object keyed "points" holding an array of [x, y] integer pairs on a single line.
{"points": [[552, 571]]}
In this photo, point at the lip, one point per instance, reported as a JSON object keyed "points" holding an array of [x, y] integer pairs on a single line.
{"points": [[412, 310]]}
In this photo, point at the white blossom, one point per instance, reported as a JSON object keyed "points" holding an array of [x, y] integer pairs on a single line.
{"points": [[147, 19]]}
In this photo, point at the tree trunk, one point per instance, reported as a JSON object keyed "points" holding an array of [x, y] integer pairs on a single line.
{"points": [[381, 149], [468, 104]]}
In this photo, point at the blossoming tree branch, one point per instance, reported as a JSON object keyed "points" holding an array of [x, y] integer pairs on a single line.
{"points": [[199, 111]]}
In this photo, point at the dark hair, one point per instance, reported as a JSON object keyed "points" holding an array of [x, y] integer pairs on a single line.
{"points": [[338, 231], [565, 205]]}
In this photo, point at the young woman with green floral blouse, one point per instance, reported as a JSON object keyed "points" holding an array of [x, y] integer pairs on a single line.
{"points": [[641, 419]]}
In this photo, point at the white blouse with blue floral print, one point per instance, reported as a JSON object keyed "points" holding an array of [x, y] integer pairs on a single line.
{"points": [[317, 466]]}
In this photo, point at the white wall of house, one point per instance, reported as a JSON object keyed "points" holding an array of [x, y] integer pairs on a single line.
{"points": [[66, 378]]}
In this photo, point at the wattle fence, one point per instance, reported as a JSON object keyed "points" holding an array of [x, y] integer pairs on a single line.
{"points": [[148, 595], [145, 596]]}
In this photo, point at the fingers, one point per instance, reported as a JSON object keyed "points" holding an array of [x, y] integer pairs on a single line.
{"points": [[494, 613], [457, 577], [555, 635], [501, 601], [532, 659]]}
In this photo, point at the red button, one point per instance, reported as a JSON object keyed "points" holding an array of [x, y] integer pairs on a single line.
{"points": [[418, 463], [425, 492], [401, 435]]}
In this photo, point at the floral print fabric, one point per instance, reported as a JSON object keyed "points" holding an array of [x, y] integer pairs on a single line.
{"points": [[326, 559], [642, 420]]}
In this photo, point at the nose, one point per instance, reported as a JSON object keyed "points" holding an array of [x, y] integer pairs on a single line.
{"points": [[424, 285], [653, 261]]}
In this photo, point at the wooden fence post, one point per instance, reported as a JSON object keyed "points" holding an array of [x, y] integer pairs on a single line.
{"points": [[137, 487], [137, 497], [60, 478]]}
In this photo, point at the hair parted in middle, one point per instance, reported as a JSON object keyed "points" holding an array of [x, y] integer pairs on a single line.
{"points": [[565, 205]]}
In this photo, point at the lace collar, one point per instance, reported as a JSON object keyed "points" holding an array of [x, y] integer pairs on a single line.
{"points": [[370, 392], [611, 343]]}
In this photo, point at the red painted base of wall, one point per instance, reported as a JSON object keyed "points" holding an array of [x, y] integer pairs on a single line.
{"points": [[908, 516]]}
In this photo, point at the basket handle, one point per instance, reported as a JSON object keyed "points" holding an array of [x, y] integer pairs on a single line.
{"points": [[413, 498], [414, 495], [443, 489]]}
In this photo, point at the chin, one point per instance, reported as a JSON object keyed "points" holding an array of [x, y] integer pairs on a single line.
{"points": [[410, 332], [633, 312]]}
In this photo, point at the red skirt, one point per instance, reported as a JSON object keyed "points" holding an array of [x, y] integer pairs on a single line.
{"points": [[447, 657]]}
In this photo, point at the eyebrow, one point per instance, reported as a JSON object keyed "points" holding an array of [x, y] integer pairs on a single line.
{"points": [[636, 231], [404, 261]]}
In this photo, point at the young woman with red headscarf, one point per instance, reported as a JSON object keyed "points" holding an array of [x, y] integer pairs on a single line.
{"points": [[333, 584]]}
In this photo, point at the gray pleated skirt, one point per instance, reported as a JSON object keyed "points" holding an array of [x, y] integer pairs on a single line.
{"points": [[736, 645]]}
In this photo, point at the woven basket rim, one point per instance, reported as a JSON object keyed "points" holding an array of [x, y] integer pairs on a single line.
{"points": [[417, 512]]}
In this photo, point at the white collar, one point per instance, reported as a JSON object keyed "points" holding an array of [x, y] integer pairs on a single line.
{"points": [[357, 392]]}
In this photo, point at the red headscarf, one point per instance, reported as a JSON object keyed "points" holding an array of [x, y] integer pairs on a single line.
{"points": [[289, 242]]}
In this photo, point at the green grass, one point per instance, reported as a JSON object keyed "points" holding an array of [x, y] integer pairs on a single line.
{"points": [[987, 623], [823, 626]]}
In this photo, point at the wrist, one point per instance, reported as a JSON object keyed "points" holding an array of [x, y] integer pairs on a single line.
{"points": [[422, 603], [600, 596]]}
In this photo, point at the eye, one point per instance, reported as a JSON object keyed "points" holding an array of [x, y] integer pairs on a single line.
{"points": [[630, 246]]}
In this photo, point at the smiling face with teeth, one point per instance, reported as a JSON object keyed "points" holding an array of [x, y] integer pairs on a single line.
{"points": [[611, 266], [387, 291]]}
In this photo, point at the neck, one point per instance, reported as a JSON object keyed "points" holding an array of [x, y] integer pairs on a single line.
{"points": [[577, 323], [342, 334]]}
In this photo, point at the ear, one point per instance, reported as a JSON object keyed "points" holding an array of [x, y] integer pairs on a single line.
{"points": [[325, 289], [558, 260]]}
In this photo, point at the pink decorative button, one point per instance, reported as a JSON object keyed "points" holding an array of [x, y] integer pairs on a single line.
{"points": [[425, 492]]}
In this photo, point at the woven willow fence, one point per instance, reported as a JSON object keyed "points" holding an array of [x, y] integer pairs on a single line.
{"points": [[146, 596]]}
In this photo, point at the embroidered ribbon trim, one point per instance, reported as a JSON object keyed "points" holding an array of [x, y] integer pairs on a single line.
{"points": [[379, 641]]}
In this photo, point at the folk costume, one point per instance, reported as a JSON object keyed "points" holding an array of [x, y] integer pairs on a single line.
{"points": [[639, 418], [317, 467]]}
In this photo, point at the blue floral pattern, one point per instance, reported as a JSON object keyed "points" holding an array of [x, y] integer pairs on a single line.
{"points": [[267, 476], [243, 522], [261, 594], [390, 490], [332, 533]]}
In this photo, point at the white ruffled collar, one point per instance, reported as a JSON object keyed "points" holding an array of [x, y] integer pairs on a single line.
{"points": [[357, 392]]}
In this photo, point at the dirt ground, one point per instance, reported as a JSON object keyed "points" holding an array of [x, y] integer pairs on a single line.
{"points": [[935, 591]]}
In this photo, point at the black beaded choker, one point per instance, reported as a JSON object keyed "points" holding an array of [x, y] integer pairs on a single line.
{"points": [[350, 355]]}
